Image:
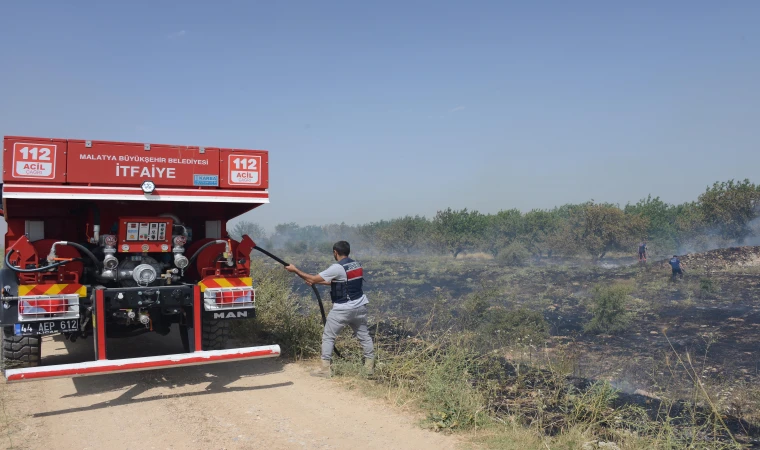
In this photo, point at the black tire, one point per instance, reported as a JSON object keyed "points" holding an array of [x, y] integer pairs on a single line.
{"points": [[20, 351], [214, 334]]}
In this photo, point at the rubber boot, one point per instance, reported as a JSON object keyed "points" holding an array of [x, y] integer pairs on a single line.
{"points": [[323, 371], [369, 366]]}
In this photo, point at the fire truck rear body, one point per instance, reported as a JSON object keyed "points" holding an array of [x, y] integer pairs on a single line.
{"points": [[110, 239]]}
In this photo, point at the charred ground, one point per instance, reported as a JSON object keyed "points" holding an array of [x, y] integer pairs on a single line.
{"points": [[706, 325]]}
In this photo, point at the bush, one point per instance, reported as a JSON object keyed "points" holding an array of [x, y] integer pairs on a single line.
{"points": [[281, 318], [514, 254], [449, 394], [474, 308], [707, 286], [517, 326], [443, 374], [608, 313]]}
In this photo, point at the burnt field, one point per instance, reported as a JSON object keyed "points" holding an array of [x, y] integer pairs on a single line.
{"points": [[706, 325], [714, 312]]}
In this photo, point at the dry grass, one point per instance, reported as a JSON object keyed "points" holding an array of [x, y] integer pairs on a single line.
{"points": [[475, 255], [451, 367], [498, 404]]}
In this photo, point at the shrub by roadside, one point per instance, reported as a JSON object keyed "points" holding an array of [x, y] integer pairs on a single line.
{"points": [[281, 317]]}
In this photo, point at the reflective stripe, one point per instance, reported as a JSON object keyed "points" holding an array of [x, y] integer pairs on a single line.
{"points": [[221, 282], [51, 289]]}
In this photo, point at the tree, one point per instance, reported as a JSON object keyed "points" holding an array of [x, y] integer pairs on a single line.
{"points": [[341, 232], [456, 231], [295, 237], [600, 228], [370, 232], [563, 240], [538, 225], [404, 234], [501, 229], [242, 228], [663, 221], [661, 215], [728, 207]]}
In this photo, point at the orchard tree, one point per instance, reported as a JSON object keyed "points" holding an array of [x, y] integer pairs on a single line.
{"points": [[242, 228], [600, 228], [456, 231], [295, 237], [538, 225], [728, 207], [501, 229], [370, 233], [661, 216], [662, 230], [404, 234]]}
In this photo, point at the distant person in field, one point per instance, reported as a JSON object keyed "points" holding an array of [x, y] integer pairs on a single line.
{"points": [[677, 267], [643, 251], [349, 305]]}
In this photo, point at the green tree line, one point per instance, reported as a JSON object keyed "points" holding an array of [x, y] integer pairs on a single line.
{"points": [[725, 214]]}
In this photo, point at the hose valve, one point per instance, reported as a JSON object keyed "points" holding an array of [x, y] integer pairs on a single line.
{"points": [[110, 262], [180, 260], [228, 253], [52, 256]]}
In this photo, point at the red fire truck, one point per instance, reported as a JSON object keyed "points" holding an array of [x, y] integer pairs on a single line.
{"points": [[113, 239]]}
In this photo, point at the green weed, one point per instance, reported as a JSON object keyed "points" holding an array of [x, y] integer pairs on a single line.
{"points": [[608, 309]]}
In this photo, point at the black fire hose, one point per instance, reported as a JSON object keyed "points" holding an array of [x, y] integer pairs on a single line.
{"points": [[37, 269], [313, 288], [203, 247], [82, 249]]}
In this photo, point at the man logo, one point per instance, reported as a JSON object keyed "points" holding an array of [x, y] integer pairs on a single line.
{"points": [[231, 315]]}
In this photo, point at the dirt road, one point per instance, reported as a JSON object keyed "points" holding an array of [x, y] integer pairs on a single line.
{"points": [[244, 405]]}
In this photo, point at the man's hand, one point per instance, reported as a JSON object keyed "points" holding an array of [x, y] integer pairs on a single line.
{"points": [[309, 279]]}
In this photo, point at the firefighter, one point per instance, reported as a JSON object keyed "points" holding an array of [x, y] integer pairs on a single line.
{"points": [[643, 251], [677, 267], [345, 279]]}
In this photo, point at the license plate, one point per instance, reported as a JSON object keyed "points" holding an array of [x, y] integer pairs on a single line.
{"points": [[46, 327]]}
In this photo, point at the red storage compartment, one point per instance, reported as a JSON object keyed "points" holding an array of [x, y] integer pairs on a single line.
{"points": [[34, 160]]}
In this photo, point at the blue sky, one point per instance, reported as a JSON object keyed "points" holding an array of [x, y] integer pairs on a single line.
{"points": [[373, 110]]}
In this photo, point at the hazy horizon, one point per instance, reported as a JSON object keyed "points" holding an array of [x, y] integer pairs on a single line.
{"points": [[376, 111]]}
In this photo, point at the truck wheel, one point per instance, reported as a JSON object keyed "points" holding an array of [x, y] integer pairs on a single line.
{"points": [[20, 351], [214, 334]]}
